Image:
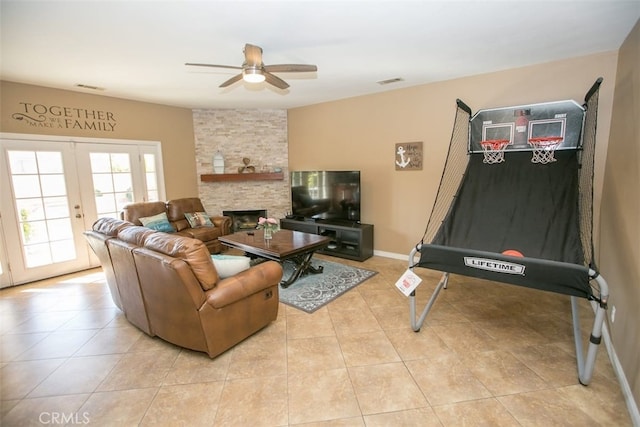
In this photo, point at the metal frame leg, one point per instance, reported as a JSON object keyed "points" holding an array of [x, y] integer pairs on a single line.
{"points": [[586, 365], [416, 324]]}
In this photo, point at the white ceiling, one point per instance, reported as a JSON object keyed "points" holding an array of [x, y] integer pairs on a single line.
{"points": [[137, 49]]}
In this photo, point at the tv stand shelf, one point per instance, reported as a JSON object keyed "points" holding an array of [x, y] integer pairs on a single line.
{"points": [[350, 241]]}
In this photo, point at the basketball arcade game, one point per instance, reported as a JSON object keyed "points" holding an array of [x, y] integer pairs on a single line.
{"points": [[515, 205]]}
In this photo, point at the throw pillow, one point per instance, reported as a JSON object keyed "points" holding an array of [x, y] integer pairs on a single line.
{"points": [[198, 219], [230, 265], [158, 222]]}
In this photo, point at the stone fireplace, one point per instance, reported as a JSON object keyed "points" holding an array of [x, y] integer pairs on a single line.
{"points": [[244, 219], [259, 134]]}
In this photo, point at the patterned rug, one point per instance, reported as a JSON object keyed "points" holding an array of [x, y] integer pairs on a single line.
{"points": [[312, 291]]}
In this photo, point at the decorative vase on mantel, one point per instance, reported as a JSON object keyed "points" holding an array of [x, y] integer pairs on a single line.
{"points": [[218, 163]]}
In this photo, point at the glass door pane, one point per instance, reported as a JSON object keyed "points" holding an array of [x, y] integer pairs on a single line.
{"points": [[42, 218], [151, 177], [40, 194], [117, 174], [112, 182]]}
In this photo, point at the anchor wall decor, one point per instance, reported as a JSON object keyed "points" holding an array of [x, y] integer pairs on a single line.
{"points": [[408, 156]]}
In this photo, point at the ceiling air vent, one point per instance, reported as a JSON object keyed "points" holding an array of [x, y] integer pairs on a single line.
{"points": [[83, 86], [389, 81]]}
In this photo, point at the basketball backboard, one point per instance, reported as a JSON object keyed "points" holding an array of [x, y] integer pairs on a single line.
{"points": [[520, 123]]}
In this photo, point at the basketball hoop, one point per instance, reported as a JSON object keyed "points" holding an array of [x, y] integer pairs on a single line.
{"points": [[544, 148], [494, 150]]}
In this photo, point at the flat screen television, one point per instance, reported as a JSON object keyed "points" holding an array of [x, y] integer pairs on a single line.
{"points": [[326, 195]]}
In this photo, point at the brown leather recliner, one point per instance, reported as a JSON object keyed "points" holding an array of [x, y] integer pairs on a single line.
{"points": [[175, 210], [168, 287], [121, 251], [98, 242]]}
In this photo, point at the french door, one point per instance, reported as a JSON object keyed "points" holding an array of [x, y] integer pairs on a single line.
{"points": [[53, 190], [5, 273]]}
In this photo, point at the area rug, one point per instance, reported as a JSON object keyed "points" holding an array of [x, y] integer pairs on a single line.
{"points": [[312, 291]]}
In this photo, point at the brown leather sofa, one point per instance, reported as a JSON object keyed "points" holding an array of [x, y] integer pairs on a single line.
{"points": [[167, 286], [175, 210]]}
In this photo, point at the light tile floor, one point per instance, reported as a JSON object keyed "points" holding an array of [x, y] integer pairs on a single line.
{"points": [[488, 354]]}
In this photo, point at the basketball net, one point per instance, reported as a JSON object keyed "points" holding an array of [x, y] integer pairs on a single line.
{"points": [[544, 149], [494, 150]]}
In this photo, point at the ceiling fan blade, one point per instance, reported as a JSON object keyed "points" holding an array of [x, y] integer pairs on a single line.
{"points": [[213, 65], [290, 68], [253, 65], [275, 80], [252, 54], [232, 80]]}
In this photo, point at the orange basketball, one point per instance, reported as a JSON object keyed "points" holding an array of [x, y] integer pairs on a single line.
{"points": [[512, 252]]}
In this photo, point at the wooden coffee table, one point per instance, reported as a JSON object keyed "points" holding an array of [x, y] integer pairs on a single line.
{"points": [[286, 245]]}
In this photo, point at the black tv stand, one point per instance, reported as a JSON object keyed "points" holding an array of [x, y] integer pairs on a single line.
{"points": [[350, 240], [342, 222]]}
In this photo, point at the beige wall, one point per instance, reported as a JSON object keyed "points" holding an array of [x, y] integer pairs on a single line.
{"points": [[112, 118], [620, 254], [361, 133]]}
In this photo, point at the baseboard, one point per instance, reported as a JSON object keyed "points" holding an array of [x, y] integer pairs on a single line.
{"points": [[632, 407], [393, 255], [390, 255]]}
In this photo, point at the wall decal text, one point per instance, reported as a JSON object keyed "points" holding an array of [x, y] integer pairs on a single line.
{"points": [[56, 117]]}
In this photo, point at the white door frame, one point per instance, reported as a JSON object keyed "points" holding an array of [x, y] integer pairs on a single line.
{"points": [[89, 216], [5, 274]]}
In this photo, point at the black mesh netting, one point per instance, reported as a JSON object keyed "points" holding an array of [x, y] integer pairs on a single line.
{"points": [[458, 163], [454, 168], [586, 171]]}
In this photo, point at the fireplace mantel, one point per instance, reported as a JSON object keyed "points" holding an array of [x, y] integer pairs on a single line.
{"points": [[231, 177]]}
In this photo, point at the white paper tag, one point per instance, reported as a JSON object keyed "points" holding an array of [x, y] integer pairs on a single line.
{"points": [[408, 282]]}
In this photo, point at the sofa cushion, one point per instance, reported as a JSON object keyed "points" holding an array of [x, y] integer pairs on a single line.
{"points": [[230, 265], [158, 222], [135, 235], [176, 208], [110, 226], [205, 234], [198, 219], [191, 251], [181, 224]]}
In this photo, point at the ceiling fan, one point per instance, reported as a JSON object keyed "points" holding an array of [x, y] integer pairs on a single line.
{"points": [[255, 71]]}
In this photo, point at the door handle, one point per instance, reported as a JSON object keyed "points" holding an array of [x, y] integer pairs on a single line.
{"points": [[78, 215]]}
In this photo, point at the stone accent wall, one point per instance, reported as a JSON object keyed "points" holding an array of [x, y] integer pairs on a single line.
{"points": [[260, 135]]}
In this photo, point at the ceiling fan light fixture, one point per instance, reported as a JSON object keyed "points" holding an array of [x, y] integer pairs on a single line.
{"points": [[253, 75], [254, 70]]}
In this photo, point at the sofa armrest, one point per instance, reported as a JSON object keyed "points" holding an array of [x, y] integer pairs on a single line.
{"points": [[244, 284], [224, 223], [132, 212]]}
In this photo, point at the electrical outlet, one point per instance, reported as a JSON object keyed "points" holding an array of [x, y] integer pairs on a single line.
{"points": [[613, 314]]}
